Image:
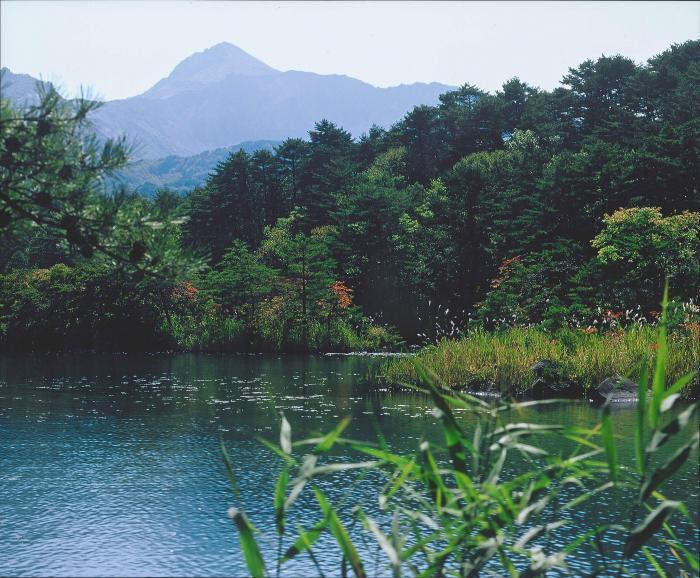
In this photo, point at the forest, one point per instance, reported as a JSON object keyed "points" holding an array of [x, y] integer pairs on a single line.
{"points": [[555, 210]]}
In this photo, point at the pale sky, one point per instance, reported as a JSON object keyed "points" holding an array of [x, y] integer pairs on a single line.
{"points": [[120, 49]]}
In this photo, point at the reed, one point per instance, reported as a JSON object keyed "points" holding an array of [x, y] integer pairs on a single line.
{"points": [[503, 360], [491, 501]]}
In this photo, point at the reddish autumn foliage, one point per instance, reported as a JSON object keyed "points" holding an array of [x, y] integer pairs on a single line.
{"points": [[505, 270], [185, 291], [614, 314], [189, 289], [692, 328], [343, 293]]}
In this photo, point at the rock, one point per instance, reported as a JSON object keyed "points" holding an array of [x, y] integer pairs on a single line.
{"points": [[556, 390], [615, 389], [484, 393], [483, 389], [552, 381], [479, 388]]}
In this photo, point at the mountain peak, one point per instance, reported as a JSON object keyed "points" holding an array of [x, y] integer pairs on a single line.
{"points": [[218, 62], [209, 66]]}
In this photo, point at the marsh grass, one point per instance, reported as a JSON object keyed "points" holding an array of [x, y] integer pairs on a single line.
{"points": [[460, 507], [503, 359]]}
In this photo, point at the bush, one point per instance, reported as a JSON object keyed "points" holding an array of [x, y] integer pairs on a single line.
{"points": [[89, 306]]}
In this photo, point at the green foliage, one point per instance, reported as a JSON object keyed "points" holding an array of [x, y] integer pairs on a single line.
{"points": [[514, 208], [230, 206], [240, 280], [306, 266], [503, 359], [92, 306], [491, 498], [50, 167], [52, 173], [646, 248]]}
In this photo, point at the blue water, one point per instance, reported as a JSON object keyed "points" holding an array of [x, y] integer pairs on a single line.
{"points": [[110, 465]]}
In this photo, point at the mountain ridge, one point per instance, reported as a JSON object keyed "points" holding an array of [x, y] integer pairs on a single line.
{"points": [[209, 65], [20, 88], [181, 174], [224, 95]]}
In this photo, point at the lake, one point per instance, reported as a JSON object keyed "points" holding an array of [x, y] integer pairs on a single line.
{"points": [[110, 464]]}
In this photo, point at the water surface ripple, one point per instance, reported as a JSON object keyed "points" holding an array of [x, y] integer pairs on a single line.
{"points": [[110, 464]]}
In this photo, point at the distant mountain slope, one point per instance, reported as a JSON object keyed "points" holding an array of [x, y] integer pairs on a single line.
{"points": [[19, 88], [224, 95], [181, 174]]}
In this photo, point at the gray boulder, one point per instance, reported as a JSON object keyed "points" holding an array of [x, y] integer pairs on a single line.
{"points": [[615, 389], [552, 381]]}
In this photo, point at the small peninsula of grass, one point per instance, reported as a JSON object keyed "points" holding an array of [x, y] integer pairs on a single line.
{"points": [[503, 360]]}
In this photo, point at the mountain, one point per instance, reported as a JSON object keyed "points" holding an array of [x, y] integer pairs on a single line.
{"points": [[210, 66], [181, 174], [19, 88], [224, 95]]}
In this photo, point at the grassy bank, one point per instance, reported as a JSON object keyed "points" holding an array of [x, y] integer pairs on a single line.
{"points": [[92, 306], [503, 359]]}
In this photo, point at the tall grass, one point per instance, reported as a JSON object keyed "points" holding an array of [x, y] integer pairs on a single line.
{"points": [[214, 332], [492, 501], [503, 359]]}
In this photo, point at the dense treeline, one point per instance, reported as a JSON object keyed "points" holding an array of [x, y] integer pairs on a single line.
{"points": [[524, 206], [492, 200]]}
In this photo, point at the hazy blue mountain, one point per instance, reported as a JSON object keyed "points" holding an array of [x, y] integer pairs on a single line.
{"points": [[19, 88], [181, 174], [224, 95], [210, 66]]}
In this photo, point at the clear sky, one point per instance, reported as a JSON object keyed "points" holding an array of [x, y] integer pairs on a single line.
{"points": [[122, 48]]}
